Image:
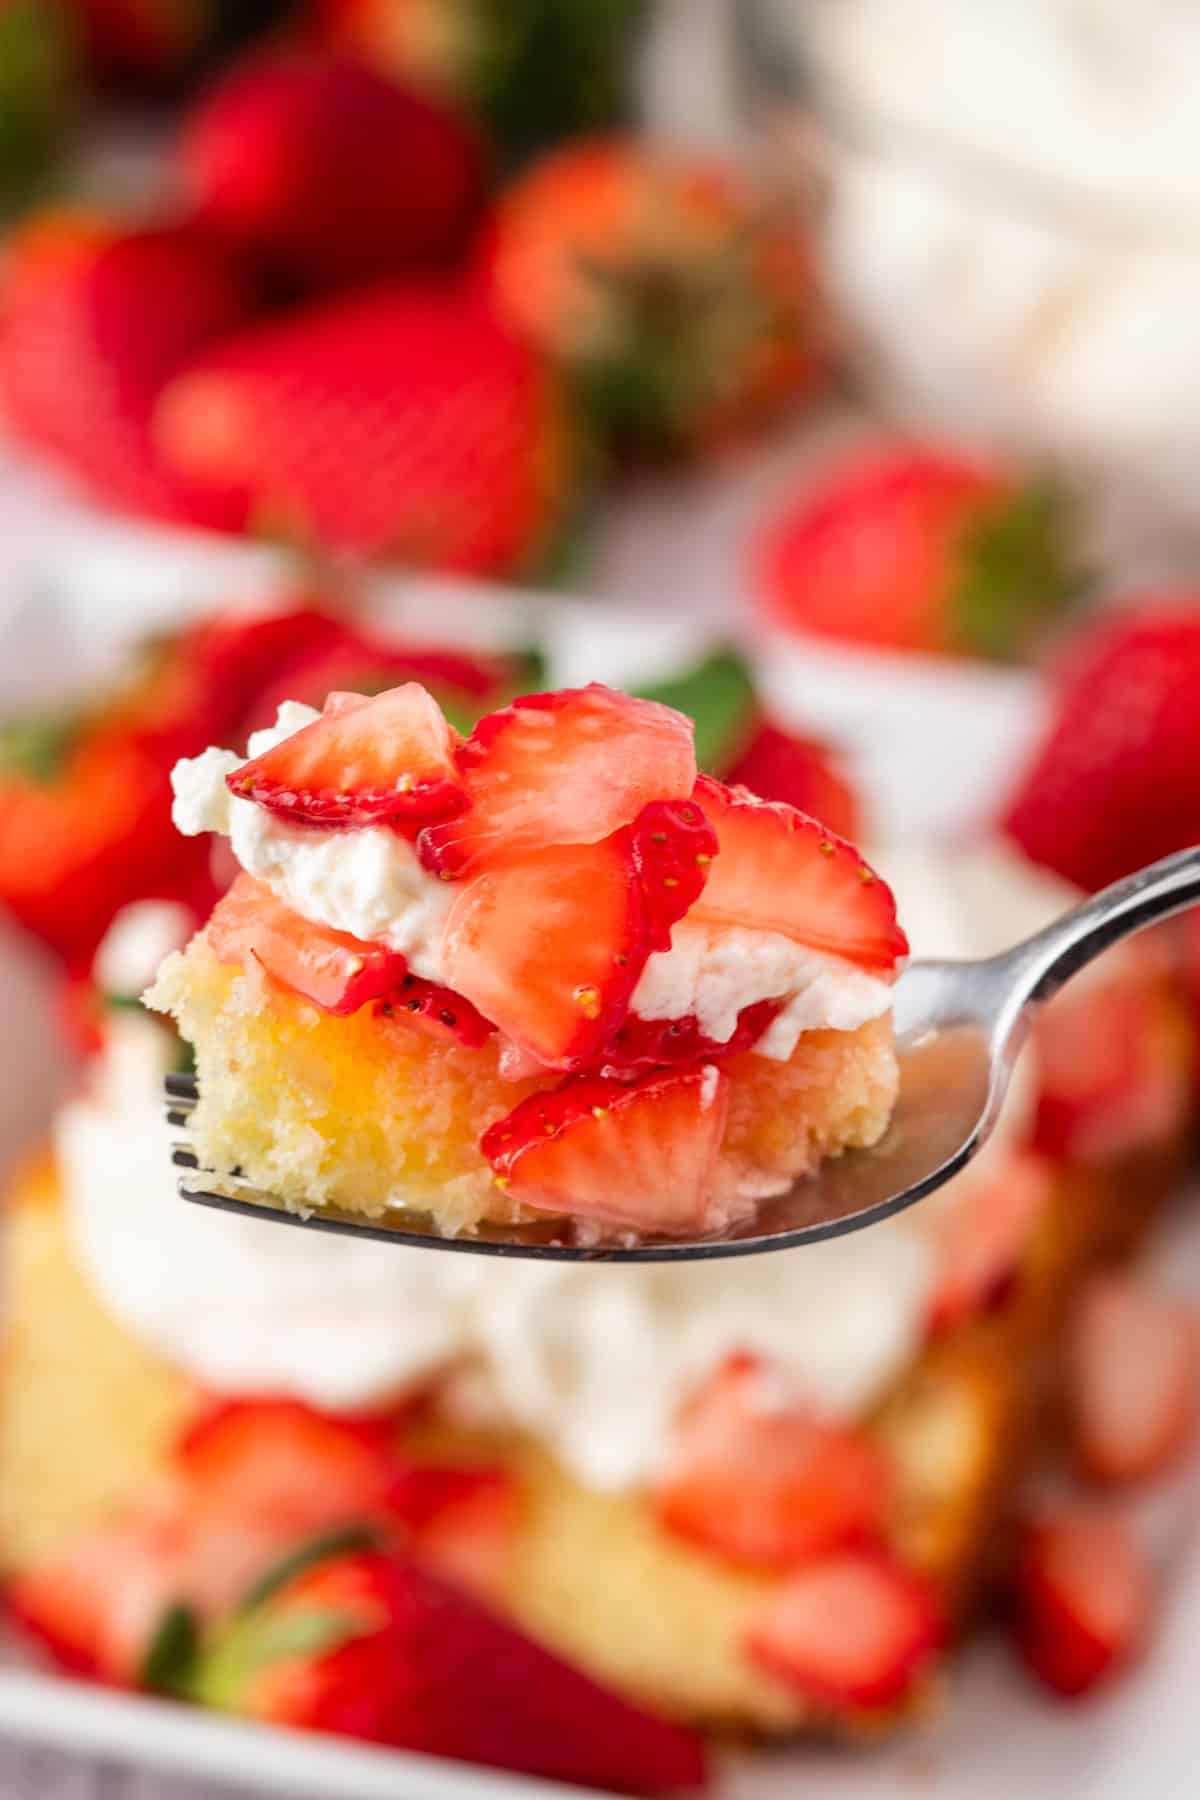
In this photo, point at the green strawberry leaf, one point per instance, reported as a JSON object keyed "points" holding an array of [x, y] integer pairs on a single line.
{"points": [[224, 1674], [718, 694], [168, 1663], [306, 1556], [37, 747], [1020, 572]]}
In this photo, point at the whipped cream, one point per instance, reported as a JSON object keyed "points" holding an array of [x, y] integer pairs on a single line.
{"points": [[369, 882]]}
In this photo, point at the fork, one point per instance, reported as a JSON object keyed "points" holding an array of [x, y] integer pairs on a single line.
{"points": [[960, 1027]]}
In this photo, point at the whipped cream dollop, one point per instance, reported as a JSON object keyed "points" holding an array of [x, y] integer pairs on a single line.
{"points": [[369, 882]]}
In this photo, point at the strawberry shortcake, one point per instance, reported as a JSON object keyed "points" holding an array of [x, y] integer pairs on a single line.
{"points": [[547, 970]]}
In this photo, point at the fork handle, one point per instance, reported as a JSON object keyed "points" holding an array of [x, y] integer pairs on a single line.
{"points": [[1040, 965]]}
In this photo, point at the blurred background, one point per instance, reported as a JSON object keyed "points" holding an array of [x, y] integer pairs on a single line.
{"points": [[828, 367]]}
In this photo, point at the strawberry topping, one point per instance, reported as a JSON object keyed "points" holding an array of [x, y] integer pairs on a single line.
{"points": [[672, 1043], [1134, 1387], [852, 1630], [562, 768], [337, 972], [438, 1010], [389, 759], [778, 870], [756, 1475], [1083, 1598], [634, 1156]]}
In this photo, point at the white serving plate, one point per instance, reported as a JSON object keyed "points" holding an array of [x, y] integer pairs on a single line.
{"points": [[930, 746]]}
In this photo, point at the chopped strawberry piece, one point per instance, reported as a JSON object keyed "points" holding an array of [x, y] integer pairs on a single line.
{"points": [[779, 765], [563, 768], [675, 1043], [673, 849], [779, 870], [389, 759], [282, 1462], [755, 1474], [438, 1010], [637, 1156], [337, 972], [1134, 1378], [371, 1646], [461, 1522], [1083, 1598], [855, 1629], [1107, 1083], [550, 947], [982, 1238]]}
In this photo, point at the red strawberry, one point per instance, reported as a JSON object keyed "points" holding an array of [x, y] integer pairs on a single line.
{"points": [[1083, 1598], [1114, 784], [95, 1605], [778, 870], [590, 915], [754, 1474], [912, 548], [1134, 1379], [404, 423], [367, 761], [658, 1043], [637, 1156], [564, 768], [851, 1630], [779, 765], [461, 1522], [337, 972], [95, 319], [1107, 1080], [281, 1461], [439, 1011], [684, 308], [982, 1238], [336, 174], [369, 1646]]}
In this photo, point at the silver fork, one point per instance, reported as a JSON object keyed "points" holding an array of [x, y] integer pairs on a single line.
{"points": [[959, 1029]]}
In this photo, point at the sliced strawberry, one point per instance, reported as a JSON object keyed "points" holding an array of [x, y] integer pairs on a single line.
{"points": [[364, 762], [852, 1630], [372, 1646], [94, 1606], [280, 1461], [337, 972], [676, 1043], [779, 765], [637, 1156], [1106, 1082], [779, 870], [673, 848], [1083, 1598], [437, 1010], [1134, 1378], [755, 1474], [550, 947], [564, 768], [980, 1242], [461, 1521]]}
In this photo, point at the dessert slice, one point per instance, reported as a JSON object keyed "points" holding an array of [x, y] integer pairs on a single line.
{"points": [[545, 970]]}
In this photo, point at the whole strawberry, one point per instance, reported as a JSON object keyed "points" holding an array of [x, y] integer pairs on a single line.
{"points": [[403, 423], [534, 71], [331, 172], [685, 311], [1116, 781], [369, 1645], [93, 319], [908, 547]]}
